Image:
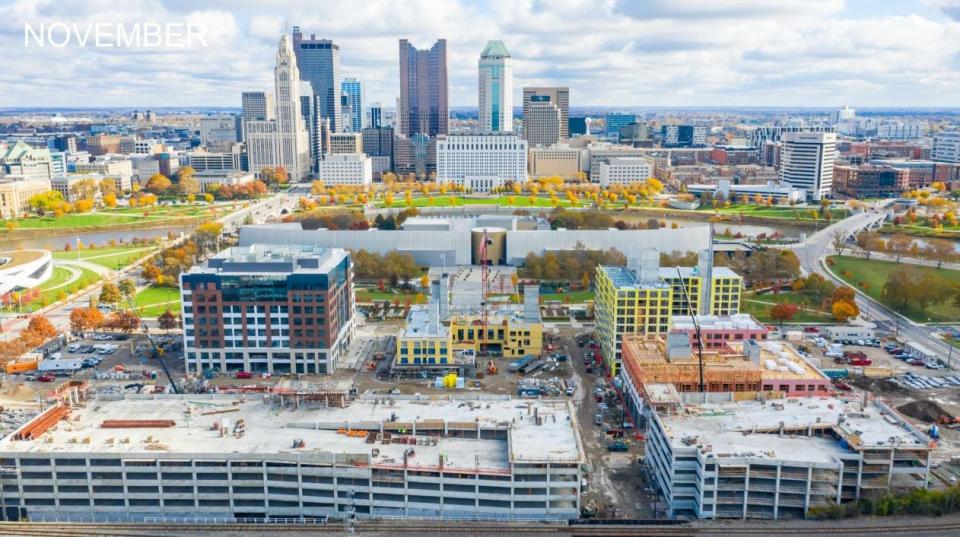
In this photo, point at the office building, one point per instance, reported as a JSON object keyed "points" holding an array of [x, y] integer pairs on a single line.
{"points": [[349, 143], [26, 162], [268, 308], [286, 455], [218, 133], [615, 121], [66, 143], [561, 160], [843, 114], [58, 163], [806, 162], [559, 96], [683, 135], [579, 126], [542, 123], [946, 147], [424, 102], [284, 141], [871, 181], [15, 194], [495, 88], [778, 458], [494, 157], [353, 90], [378, 141], [319, 63], [376, 116], [102, 144], [346, 169], [255, 106], [624, 171], [759, 136]]}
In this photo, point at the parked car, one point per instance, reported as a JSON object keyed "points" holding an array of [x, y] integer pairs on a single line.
{"points": [[598, 419], [811, 329], [618, 447], [46, 378]]}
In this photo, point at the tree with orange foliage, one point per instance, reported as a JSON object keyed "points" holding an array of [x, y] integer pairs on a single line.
{"points": [[42, 326]]}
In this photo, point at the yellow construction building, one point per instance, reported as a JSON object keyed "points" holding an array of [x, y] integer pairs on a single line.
{"points": [[643, 298], [430, 341], [724, 296]]}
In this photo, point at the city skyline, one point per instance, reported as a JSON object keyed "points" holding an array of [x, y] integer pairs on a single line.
{"points": [[655, 54]]}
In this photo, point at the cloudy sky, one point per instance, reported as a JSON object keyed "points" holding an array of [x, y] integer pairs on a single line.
{"points": [[610, 52]]}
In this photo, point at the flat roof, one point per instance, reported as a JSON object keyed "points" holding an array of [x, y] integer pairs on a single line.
{"points": [[260, 258], [749, 428], [782, 354], [686, 272], [538, 431], [739, 321], [624, 277], [419, 323]]}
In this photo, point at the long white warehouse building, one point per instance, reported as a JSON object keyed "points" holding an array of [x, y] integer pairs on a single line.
{"points": [[451, 241]]}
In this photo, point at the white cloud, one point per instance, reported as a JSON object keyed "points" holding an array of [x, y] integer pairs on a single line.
{"points": [[610, 52]]}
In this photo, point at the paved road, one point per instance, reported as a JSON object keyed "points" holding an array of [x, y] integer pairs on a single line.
{"points": [[812, 254]]}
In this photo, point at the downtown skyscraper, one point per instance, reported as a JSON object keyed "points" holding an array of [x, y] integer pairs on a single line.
{"points": [[319, 62], [495, 77], [424, 102], [353, 94], [284, 139]]}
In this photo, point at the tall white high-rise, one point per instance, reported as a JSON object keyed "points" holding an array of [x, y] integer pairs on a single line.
{"points": [[496, 88], [806, 162], [283, 141]]}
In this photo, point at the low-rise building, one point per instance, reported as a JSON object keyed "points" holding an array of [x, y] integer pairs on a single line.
{"points": [[301, 450], [107, 166], [346, 169], [866, 181], [778, 458], [21, 160], [268, 308], [15, 194], [724, 189], [717, 331], [624, 171], [556, 160], [207, 178]]}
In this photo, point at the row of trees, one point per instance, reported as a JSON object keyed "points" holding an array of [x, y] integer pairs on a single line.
{"points": [[816, 291], [577, 265], [919, 501], [899, 245], [764, 267], [83, 319], [38, 331], [910, 289], [394, 267]]}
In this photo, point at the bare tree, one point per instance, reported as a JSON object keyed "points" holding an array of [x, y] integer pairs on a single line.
{"points": [[839, 241]]}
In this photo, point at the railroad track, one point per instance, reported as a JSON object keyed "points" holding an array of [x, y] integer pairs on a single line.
{"points": [[445, 527]]}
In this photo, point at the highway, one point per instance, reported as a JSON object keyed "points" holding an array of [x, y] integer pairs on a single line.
{"points": [[812, 254]]}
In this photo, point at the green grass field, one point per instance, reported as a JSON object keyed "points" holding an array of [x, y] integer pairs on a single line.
{"points": [[759, 306], [460, 201], [116, 217], [153, 301], [112, 258], [54, 289], [875, 273], [762, 211]]}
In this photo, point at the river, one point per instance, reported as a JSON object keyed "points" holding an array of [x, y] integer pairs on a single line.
{"points": [[57, 242]]}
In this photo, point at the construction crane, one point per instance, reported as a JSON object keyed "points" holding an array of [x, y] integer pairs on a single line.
{"points": [[696, 327], [484, 286], [157, 351]]}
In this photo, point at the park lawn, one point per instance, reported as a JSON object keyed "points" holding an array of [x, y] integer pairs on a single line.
{"points": [[759, 306], [876, 272], [113, 257], [520, 200], [153, 301], [51, 290], [169, 211], [73, 221]]}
